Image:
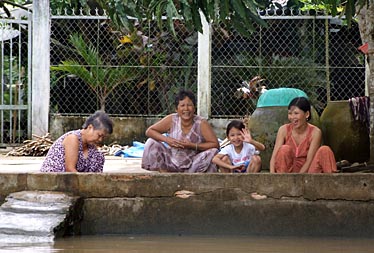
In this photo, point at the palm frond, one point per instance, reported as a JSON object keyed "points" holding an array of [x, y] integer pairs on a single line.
{"points": [[100, 78], [86, 50]]}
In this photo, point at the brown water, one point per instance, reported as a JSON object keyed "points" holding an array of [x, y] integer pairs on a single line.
{"points": [[195, 244]]}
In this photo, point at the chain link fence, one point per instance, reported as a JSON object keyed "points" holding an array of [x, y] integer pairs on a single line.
{"points": [[138, 74], [95, 67], [317, 56]]}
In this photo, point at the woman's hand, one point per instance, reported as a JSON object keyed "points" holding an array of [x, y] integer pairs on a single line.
{"points": [[174, 143], [182, 144]]}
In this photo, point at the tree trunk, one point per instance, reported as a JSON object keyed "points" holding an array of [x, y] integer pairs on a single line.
{"points": [[366, 26], [102, 104]]}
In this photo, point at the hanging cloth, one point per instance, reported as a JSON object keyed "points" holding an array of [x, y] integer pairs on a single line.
{"points": [[360, 110]]}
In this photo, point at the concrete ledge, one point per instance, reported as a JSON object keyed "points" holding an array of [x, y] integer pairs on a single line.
{"points": [[266, 204], [267, 217]]}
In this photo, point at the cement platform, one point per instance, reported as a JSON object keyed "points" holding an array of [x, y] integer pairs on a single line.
{"points": [[21, 164], [339, 204], [129, 200]]}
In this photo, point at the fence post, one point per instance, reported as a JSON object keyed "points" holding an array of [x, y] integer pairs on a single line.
{"points": [[40, 67], [204, 69]]}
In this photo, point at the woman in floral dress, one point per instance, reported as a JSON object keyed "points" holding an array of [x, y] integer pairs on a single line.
{"points": [[76, 151]]}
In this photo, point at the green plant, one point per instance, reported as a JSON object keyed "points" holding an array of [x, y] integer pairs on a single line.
{"points": [[239, 14], [300, 73], [101, 77], [170, 63]]}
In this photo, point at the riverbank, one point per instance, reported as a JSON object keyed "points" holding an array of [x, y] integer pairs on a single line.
{"points": [[126, 199], [212, 204]]}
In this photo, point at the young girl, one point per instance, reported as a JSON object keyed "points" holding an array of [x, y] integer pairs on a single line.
{"points": [[240, 154]]}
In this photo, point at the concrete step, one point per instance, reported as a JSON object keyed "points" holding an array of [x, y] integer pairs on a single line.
{"points": [[35, 216], [36, 206], [6, 239], [29, 223]]}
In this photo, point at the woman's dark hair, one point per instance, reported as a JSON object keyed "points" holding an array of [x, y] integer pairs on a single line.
{"points": [[182, 94], [303, 104], [238, 124], [99, 120]]}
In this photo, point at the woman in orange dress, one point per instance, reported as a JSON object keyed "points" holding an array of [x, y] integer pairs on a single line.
{"points": [[298, 144]]}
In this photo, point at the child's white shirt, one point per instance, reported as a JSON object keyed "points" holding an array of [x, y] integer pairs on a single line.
{"points": [[244, 156]]}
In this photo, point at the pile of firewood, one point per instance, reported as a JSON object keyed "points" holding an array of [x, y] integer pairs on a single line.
{"points": [[39, 146]]}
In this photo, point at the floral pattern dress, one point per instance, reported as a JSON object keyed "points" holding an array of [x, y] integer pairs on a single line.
{"points": [[55, 159]]}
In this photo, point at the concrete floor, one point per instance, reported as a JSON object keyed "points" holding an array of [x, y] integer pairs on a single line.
{"points": [[11, 164]]}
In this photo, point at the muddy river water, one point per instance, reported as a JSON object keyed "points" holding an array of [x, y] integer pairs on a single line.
{"points": [[196, 244]]}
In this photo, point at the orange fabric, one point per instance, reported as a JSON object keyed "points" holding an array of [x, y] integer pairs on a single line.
{"points": [[290, 157]]}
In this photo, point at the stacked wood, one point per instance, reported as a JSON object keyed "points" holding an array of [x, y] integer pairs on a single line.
{"points": [[39, 146]]}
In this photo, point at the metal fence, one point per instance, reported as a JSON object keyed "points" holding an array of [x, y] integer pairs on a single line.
{"points": [[15, 96], [314, 54], [138, 74]]}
